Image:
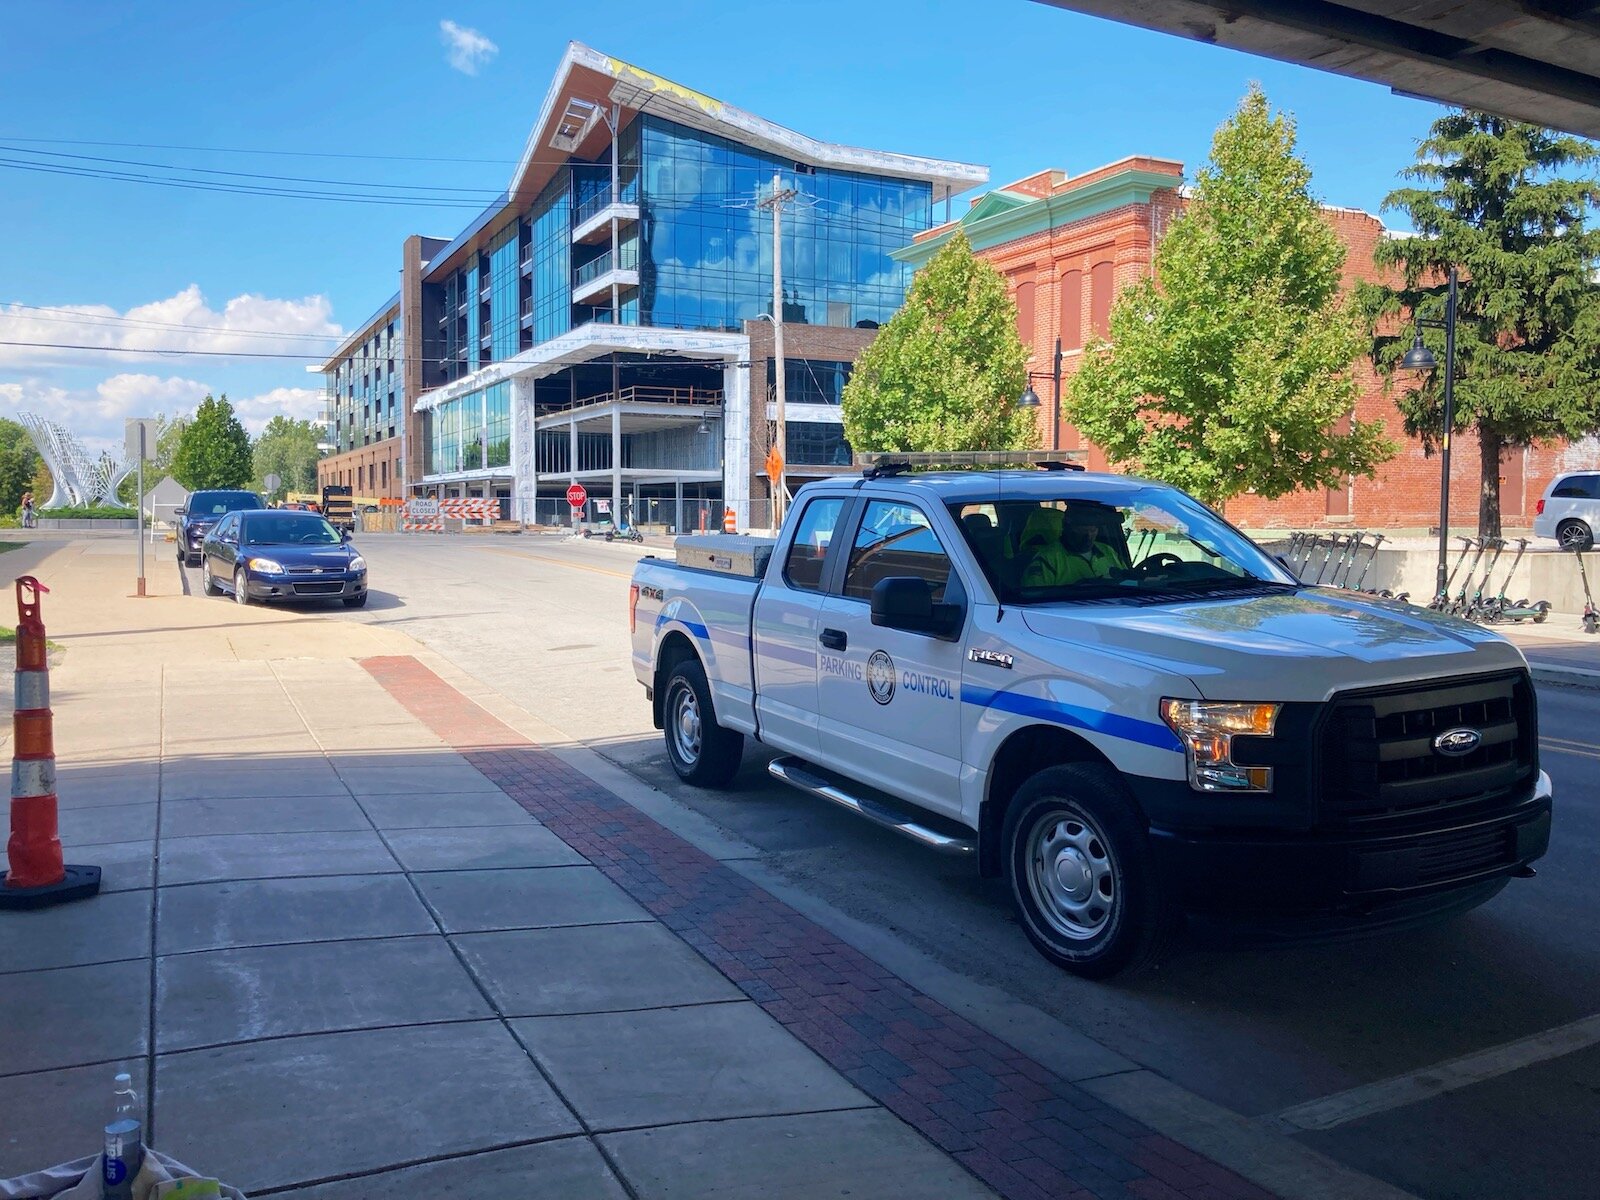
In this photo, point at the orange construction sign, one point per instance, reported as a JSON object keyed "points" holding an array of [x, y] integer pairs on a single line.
{"points": [[774, 466]]}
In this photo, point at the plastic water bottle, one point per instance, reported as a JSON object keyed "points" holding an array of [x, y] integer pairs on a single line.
{"points": [[124, 1143]]}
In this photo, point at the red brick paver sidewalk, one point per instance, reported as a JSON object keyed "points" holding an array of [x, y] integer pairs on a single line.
{"points": [[1024, 1131]]}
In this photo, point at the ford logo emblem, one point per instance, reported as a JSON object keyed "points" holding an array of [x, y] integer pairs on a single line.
{"points": [[1453, 743]]}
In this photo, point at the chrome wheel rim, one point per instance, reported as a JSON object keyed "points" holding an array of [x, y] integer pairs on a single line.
{"points": [[205, 574], [1072, 874], [240, 590], [684, 722]]}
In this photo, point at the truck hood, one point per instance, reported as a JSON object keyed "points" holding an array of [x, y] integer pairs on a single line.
{"points": [[1302, 646]]}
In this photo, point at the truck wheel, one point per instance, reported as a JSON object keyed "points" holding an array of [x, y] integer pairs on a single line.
{"points": [[702, 752], [1079, 865]]}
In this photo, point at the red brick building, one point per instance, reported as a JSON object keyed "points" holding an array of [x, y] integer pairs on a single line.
{"points": [[1069, 244]]}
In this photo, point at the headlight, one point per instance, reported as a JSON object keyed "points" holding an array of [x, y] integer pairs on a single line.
{"points": [[1207, 729], [264, 566], [357, 563]]}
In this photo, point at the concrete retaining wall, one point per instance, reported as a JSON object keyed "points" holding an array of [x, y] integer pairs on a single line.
{"points": [[87, 523], [1543, 574]]}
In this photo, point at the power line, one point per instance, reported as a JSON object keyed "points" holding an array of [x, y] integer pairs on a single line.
{"points": [[496, 162], [72, 317], [256, 175]]}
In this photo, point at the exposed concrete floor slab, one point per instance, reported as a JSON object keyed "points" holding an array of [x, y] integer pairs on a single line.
{"points": [[530, 845], [272, 855], [526, 898], [219, 996], [269, 1114], [103, 928], [865, 1153], [591, 968], [624, 1070], [74, 1015], [259, 912]]}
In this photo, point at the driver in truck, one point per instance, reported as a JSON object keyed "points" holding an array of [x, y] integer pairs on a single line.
{"points": [[1065, 547]]}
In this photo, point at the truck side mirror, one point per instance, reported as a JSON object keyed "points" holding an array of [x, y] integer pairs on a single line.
{"points": [[180, 512], [906, 602]]}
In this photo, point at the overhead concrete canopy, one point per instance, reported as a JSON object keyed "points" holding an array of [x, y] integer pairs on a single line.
{"points": [[1532, 60]]}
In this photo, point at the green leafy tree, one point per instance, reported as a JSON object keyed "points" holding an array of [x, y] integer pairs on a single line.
{"points": [[286, 448], [213, 449], [945, 373], [1510, 206], [1231, 369], [19, 464]]}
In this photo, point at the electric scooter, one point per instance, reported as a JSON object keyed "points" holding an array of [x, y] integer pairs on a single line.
{"points": [[1333, 545], [1521, 610], [1478, 609], [1341, 572], [1441, 602], [1377, 540], [1591, 614]]}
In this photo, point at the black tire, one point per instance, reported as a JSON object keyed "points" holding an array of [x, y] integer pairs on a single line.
{"points": [[193, 560], [208, 584], [1573, 534], [241, 587], [1113, 917], [701, 751], [356, 601]]}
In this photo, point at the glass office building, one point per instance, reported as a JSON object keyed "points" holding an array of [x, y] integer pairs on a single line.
{"points": [[595, 324]]}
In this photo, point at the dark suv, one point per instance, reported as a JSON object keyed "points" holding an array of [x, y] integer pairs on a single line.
{"points": [[204, 510]]}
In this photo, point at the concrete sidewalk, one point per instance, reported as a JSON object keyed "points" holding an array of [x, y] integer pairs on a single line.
{"points": [[359, 936]]}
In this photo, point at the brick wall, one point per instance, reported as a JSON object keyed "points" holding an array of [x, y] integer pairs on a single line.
{"points": [[1059, 268], [371, 470]]}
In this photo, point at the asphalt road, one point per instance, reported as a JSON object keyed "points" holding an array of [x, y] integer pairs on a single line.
{"points": [[1264, 1030]]}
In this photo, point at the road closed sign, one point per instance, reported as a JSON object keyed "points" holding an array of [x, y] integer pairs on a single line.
{"points": [[577, 495], [422, 509]]}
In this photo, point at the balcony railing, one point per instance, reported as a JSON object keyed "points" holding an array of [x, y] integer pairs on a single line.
{"points": [[600, 201], [592, 270], [644, 394]]}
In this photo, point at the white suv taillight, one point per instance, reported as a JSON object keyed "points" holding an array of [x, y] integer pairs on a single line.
{"points": [[1538, 509]]}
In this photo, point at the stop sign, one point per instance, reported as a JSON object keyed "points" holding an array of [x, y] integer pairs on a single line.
{"points": [[577, 496]]}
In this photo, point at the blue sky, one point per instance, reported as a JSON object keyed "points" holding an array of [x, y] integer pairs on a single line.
{"points": [[1012, 84]]}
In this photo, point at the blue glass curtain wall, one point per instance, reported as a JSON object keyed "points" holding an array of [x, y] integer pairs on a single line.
{"points": [[469, 427]]}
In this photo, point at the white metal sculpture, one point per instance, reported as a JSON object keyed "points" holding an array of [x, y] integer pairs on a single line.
{"points": [[78, 479]]}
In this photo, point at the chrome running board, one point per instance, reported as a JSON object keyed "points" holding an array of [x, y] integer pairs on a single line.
{"points": [[798, 773]]}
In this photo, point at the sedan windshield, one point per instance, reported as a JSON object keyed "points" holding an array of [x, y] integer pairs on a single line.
{"points": [[1143, 545], [291, 529]]}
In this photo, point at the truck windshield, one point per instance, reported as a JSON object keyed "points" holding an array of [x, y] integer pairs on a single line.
{"points": [[1150, 544]]}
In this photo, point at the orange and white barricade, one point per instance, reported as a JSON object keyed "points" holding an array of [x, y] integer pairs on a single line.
{"points": [[422, 516], [471, 508], [37, 876]]}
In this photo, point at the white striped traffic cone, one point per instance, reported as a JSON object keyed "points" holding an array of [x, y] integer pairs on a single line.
{"points": [[37, 876]]}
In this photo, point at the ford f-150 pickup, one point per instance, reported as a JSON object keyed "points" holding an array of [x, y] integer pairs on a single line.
{"points": [[1106, 694]]}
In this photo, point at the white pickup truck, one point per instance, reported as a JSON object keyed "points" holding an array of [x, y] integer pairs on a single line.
{"points": [[1106, 694]]}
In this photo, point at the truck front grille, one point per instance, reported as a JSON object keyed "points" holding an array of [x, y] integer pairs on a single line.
{"points": [[1379, 758]]}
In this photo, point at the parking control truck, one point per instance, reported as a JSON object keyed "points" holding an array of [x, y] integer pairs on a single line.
{"points": [[1105, 694]]}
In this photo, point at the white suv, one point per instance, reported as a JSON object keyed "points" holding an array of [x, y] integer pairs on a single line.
{"points": [[1569, 511]]}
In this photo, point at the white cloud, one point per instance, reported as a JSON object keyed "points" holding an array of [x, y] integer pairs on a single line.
{"points": [[246, 324], [296, 402], [465, 49]]}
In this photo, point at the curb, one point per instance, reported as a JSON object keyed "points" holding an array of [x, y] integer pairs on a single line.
{"points": [[1580, 677]]}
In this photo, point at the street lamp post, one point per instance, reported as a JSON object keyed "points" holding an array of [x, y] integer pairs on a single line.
{"points": [[1030, 398], [1420, 358]]}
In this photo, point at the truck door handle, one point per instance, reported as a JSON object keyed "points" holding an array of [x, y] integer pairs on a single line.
{"points": [[834, 639]]}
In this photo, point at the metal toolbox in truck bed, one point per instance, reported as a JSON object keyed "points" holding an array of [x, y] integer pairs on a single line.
{"points": [[729, 553]]}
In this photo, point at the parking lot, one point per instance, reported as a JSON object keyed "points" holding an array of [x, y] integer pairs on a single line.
{"points": [[1336, 1047]]}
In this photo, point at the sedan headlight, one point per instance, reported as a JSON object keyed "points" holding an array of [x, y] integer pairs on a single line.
{"points": [[264, 566], [357, 563], [1207, 729]]}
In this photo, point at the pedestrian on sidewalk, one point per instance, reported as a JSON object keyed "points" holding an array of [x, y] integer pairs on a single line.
{"points": [[27, 510]]}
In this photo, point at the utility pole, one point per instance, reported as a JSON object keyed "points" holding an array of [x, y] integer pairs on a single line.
{"points": [[780, 438]]}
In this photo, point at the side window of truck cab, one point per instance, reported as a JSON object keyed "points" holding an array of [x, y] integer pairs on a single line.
{"points": [[804, 568]]}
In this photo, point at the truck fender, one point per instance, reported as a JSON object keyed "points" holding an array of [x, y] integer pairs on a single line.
{"points": [[1024, 753], [675, 647]]}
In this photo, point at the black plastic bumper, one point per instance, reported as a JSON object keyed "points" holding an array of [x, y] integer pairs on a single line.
{"points": [[272, 589], [1351, 872]]}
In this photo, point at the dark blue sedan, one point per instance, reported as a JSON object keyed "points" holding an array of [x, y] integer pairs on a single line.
{"points": [[273, 554]]}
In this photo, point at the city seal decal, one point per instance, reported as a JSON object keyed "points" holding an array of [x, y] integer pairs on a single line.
{"points": [[880, 676]]}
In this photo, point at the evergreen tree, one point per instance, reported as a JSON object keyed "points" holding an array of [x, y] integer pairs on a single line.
{"points": [[946, 371], [1509, 205], [1230, 370], [213, 449]]}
